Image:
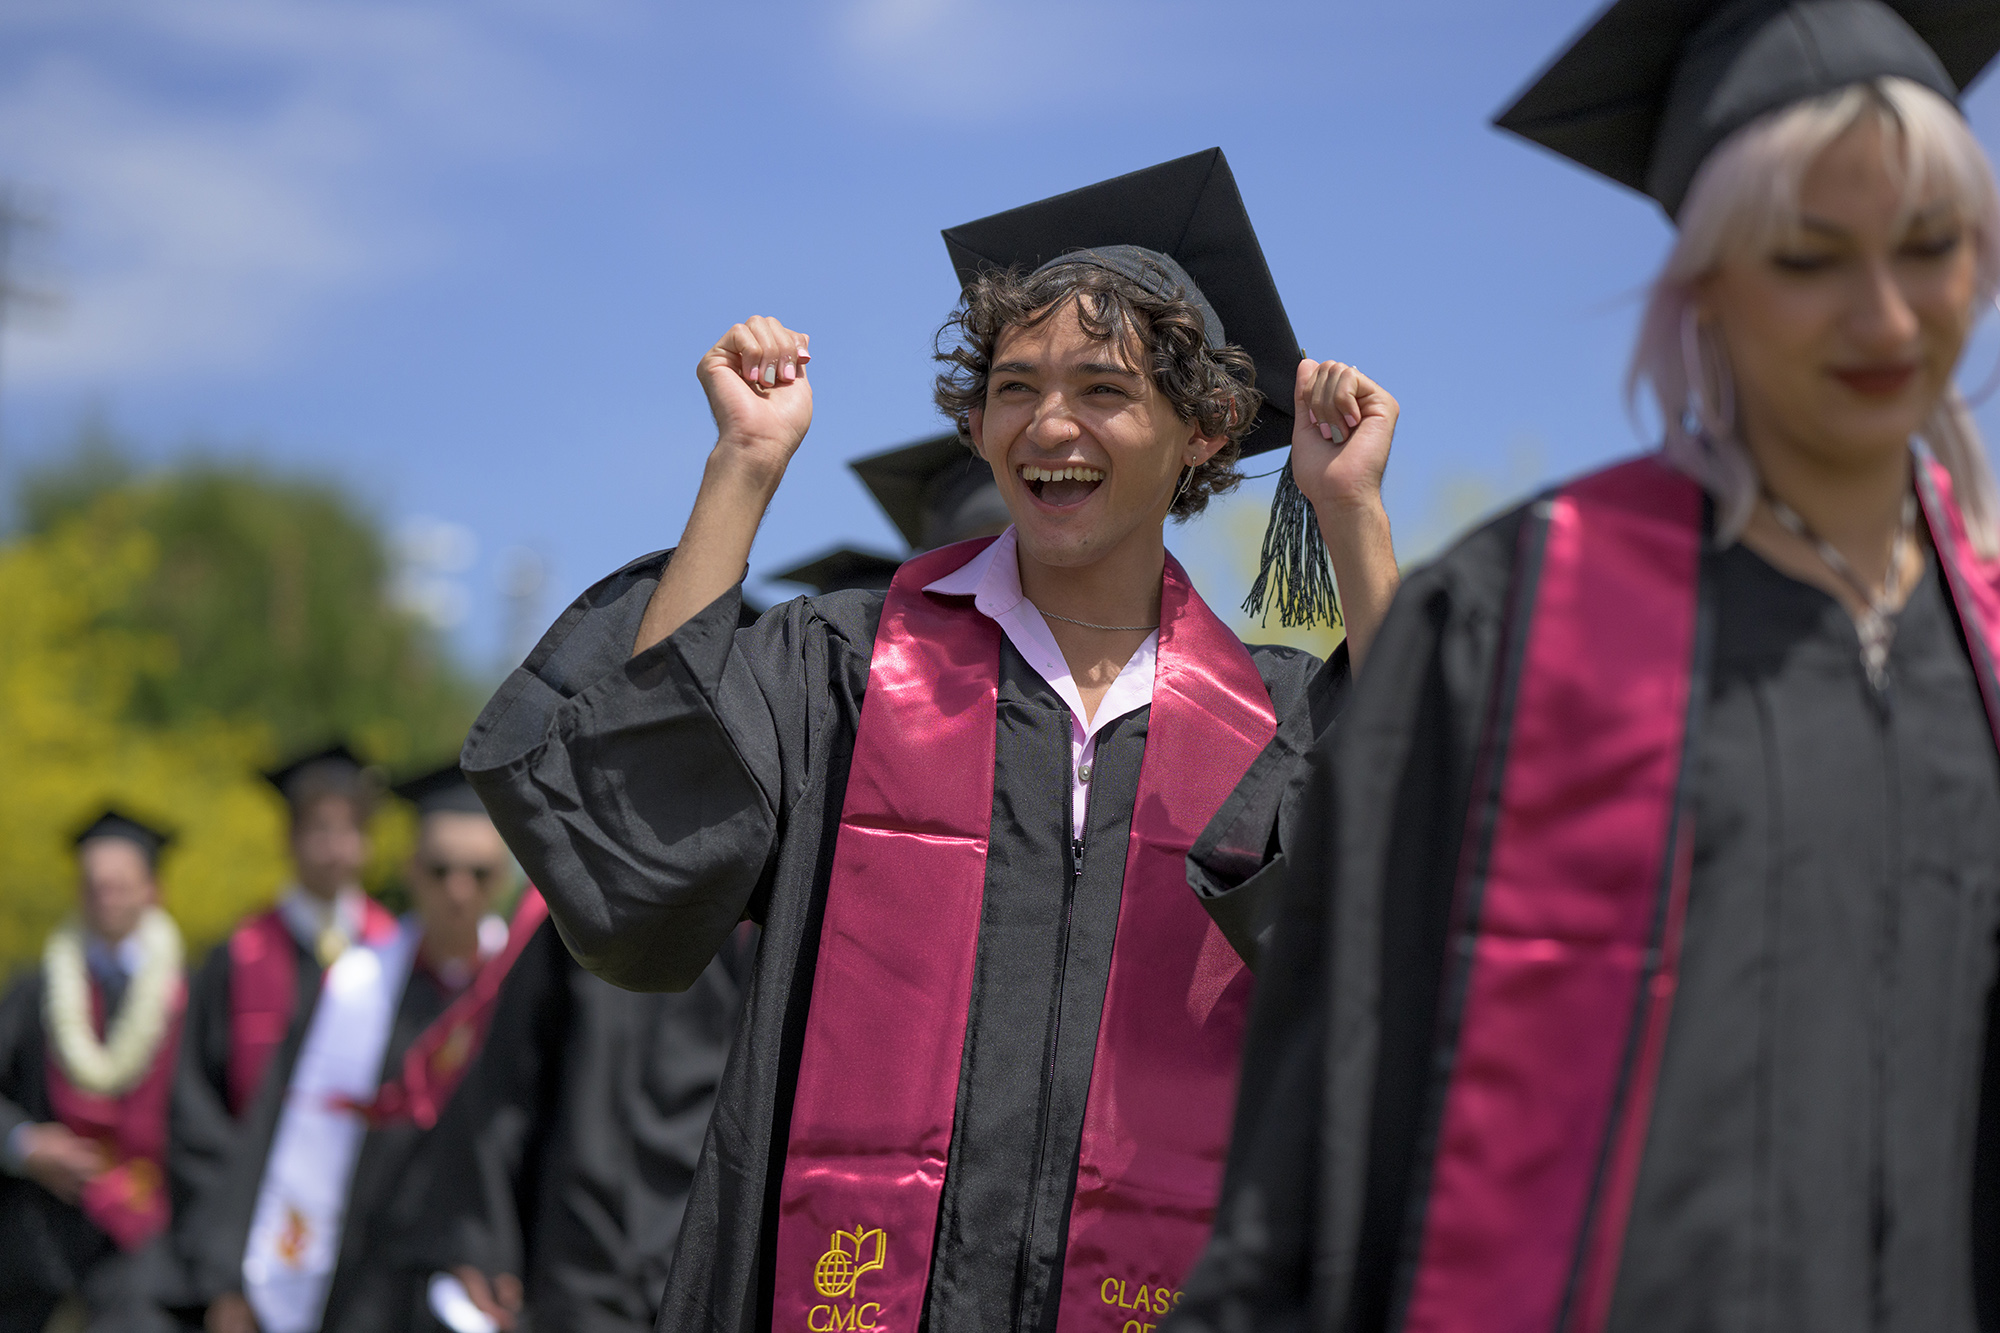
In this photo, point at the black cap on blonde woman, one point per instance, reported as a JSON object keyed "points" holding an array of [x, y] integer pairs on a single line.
{"points": [[1647, 91], [1179, 229]]}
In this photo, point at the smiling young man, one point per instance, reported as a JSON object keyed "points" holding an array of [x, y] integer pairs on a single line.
{"points": [[985, 1075]]}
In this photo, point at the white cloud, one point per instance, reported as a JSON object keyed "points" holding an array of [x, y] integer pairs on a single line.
{"points": [[215, 171], [950, 56]]}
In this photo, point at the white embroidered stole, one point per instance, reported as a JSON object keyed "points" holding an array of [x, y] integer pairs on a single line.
{"points": [[302, 1200]]}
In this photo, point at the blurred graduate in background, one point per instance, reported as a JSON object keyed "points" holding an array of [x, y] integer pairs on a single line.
{"points": [[549, 1195], [293, 1025], [936, 491], [87, 1047]]}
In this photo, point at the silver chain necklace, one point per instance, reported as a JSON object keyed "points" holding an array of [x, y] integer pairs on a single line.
{"points": [[1876, 625], [1072, 620]]}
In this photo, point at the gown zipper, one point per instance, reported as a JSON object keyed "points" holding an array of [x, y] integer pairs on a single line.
{"points": [[1880, 1220], [1073, 883]]}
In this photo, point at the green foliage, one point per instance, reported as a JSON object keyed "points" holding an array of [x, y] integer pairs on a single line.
{"points": [[162, 637], [271, 592]]}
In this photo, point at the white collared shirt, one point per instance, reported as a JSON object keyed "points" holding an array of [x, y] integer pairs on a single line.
{"points": [[993, 580], [108, 961], [306, 915]]}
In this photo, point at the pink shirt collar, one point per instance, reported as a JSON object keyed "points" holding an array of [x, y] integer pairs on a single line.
{"points": [[993, 580]]}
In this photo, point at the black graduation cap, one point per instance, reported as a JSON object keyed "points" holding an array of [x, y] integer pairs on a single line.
{"points": [[115, 823], [1187, 211], [1182, 225], [336, 757], [440, 791], [936, 491], [1650, 88], [843, 568]]}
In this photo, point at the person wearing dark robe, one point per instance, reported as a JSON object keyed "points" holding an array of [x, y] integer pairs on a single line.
{"points": [[1637, 964], [456, 871], [87, 1047], [550, 1194], [984, 1072], [292, 1024]]}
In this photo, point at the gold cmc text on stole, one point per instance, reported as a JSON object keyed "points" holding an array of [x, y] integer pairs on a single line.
{"points": [[836, 1275], [1140, 1300]]}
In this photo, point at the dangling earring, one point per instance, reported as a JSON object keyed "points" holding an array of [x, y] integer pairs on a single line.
{"points": [[1187, 475], [1720, 423]]}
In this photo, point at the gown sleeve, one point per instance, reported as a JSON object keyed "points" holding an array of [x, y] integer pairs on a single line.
{"points": [[20, 1012], [683, 1056], [201, 1133], [1336, 1058], [646, 795], [1237, 867]]}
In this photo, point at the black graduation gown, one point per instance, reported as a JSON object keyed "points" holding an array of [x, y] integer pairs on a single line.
{"points": [[215, 1162], [48, 1248], [658, 800], [1810, 1160], [566, 1154]]}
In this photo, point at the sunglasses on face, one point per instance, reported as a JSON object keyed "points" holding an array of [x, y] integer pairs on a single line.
{"points": [[482, 875]]}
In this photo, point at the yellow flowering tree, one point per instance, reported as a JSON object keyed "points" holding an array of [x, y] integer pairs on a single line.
{"points": [[112, 602]]}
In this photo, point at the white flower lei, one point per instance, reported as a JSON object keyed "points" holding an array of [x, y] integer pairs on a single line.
{"points": [[110, 1067]]}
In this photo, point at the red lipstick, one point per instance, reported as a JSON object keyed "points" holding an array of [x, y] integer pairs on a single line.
{"points": [[1877, 381]]}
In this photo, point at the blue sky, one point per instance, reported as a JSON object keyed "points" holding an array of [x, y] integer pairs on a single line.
{"points": [[464, 257]]}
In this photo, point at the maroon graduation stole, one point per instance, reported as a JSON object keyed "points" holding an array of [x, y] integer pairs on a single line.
{"points": [[1572, 884], [878, 1076], [263, 988], [437, 1060], [128, 1200]]}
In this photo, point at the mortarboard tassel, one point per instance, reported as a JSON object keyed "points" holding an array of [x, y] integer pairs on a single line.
{"points": [[1302, 590]]}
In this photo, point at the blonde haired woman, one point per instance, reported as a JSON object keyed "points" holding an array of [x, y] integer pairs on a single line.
{"points": [[1637, 968]]}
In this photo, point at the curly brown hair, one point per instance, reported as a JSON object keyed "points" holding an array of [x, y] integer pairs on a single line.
{"points": [[1215, 388]]}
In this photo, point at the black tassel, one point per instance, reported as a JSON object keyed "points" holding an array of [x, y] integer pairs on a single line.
{"points": [[1302, 590]]}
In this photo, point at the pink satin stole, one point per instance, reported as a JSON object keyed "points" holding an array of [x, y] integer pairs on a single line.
{"points": [[1974, 583], [878, 1076], [263, 988], [1571, 902], [263, 991], [128, 1200], [438, 1059]]}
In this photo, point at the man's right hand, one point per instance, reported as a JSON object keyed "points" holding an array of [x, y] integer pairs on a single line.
{"points": [[499, 1300], [755, 378], [61, 1162]]}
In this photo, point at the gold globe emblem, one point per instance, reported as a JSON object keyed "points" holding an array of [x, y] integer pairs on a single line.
{"points": [[848, 1255], [834, 1274]]}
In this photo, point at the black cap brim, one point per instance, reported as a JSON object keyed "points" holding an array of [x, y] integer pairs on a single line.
{"points": [[441, 791], [921, 486], [115, 823], [842, 569], [1650, 87], [337, 753]]}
